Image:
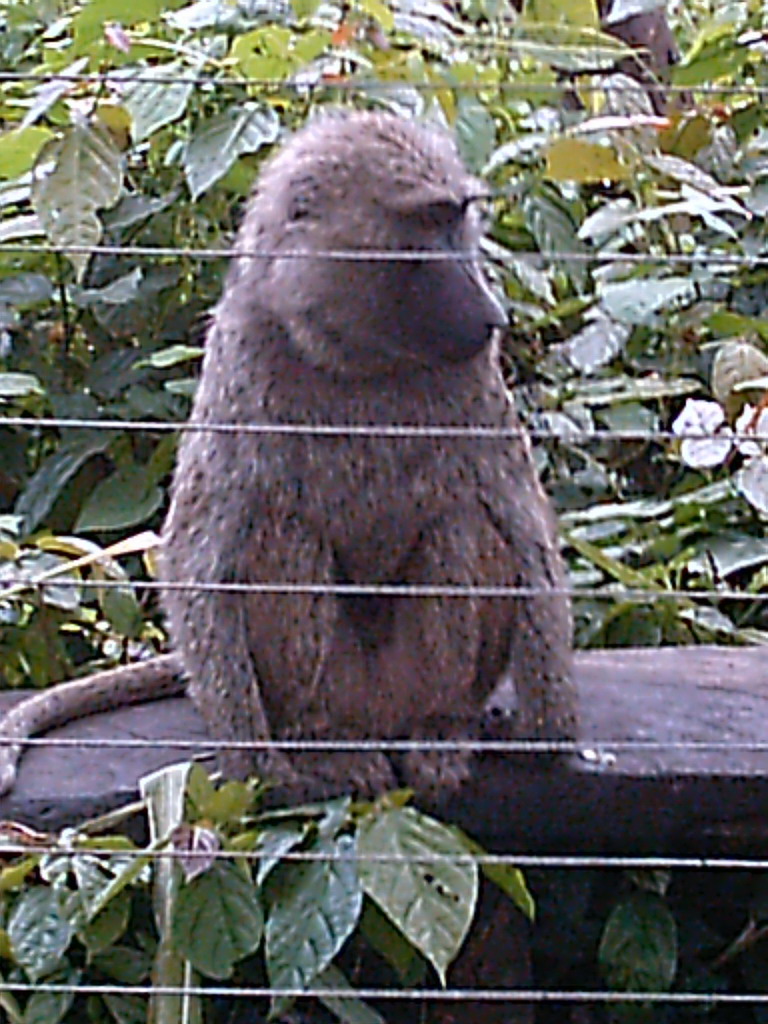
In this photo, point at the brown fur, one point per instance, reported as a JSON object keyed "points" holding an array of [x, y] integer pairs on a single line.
{"points": [[315, 341]]}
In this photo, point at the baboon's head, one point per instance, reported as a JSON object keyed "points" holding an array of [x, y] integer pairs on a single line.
{"points": [[373, 182]]}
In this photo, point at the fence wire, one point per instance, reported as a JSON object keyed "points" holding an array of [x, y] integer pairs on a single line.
{"points": [[458, 994], [397, 255], [341, 84], [447, 995]]}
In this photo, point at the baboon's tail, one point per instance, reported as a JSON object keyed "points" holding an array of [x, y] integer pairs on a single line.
{"points": [[103, 691]]}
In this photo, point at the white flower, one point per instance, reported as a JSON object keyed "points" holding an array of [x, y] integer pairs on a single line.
{"points": [[704, 419]]}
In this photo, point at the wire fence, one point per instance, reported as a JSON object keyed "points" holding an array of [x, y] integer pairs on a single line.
{"points": [[342, 85], [11, 583]]}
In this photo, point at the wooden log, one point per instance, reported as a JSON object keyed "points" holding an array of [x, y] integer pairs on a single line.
{"points": [[602, 799]]}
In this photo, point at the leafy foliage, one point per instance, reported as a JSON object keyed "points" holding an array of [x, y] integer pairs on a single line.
{"points": [[288, 885], [155, 129], [631, 250]]}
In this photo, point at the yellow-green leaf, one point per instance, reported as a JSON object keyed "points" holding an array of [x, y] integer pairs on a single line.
{"points": [[569, 12], [576, 160], [19, 149], [379, 11]]}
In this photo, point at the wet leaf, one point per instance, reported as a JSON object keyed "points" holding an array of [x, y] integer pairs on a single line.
{"points": [[39, 932], [157, 103], [313, 908], [220, 140], [217, 920], [638, 949], [76, 174], [128, 497], [428, 895]]}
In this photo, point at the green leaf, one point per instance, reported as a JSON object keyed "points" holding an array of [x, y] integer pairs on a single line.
{"points": [[17, 385], [164, 792], [157, 103], [48, 93], [217, 920], [612, 566], [597, 343], [94, 876], [509, 879], [431, 901], [45, 486], [645, 300], [475, 131], [121, 608], [171, 356], [347, 1009], [567, 47], [313, 909], [127, 965], [10, 1005], [88, 25], [638, 948], [220, 140], [51, 1007], [107, 926], [39, 933], [274, 843], [230, 803], [569, 12], [75, 175], [379, 11], [20, 227], [127, 1009], [19, 149], [391, 944], [304, 9], [126, 498], [552, 226], [23, 291], [119, 292], [13, 876], [715, 53]]}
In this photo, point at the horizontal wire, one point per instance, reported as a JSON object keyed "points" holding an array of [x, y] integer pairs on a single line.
{"points": [[119, 77], [387, 255], [569, 861], [588, 748], [392, 430], [404, 590], [453, 995]]}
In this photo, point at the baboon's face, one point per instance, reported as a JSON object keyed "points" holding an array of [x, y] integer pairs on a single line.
{"points": [[376, 183]]}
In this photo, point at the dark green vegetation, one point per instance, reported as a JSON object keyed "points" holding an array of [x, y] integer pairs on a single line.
{"points": [[632, 252]]}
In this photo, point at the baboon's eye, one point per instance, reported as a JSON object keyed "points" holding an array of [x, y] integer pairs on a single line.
{"points": [[299, 206], [303, 198], [442, 214]]}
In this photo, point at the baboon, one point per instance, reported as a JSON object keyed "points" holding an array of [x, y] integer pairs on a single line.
{"points": [[302, 339], [298, 338]]}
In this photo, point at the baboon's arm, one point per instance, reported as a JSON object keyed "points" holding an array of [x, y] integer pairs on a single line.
{"points": [[103, 691]]}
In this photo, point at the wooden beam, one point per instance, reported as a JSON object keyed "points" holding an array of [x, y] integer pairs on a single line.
{"points": [[601, 799]]}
